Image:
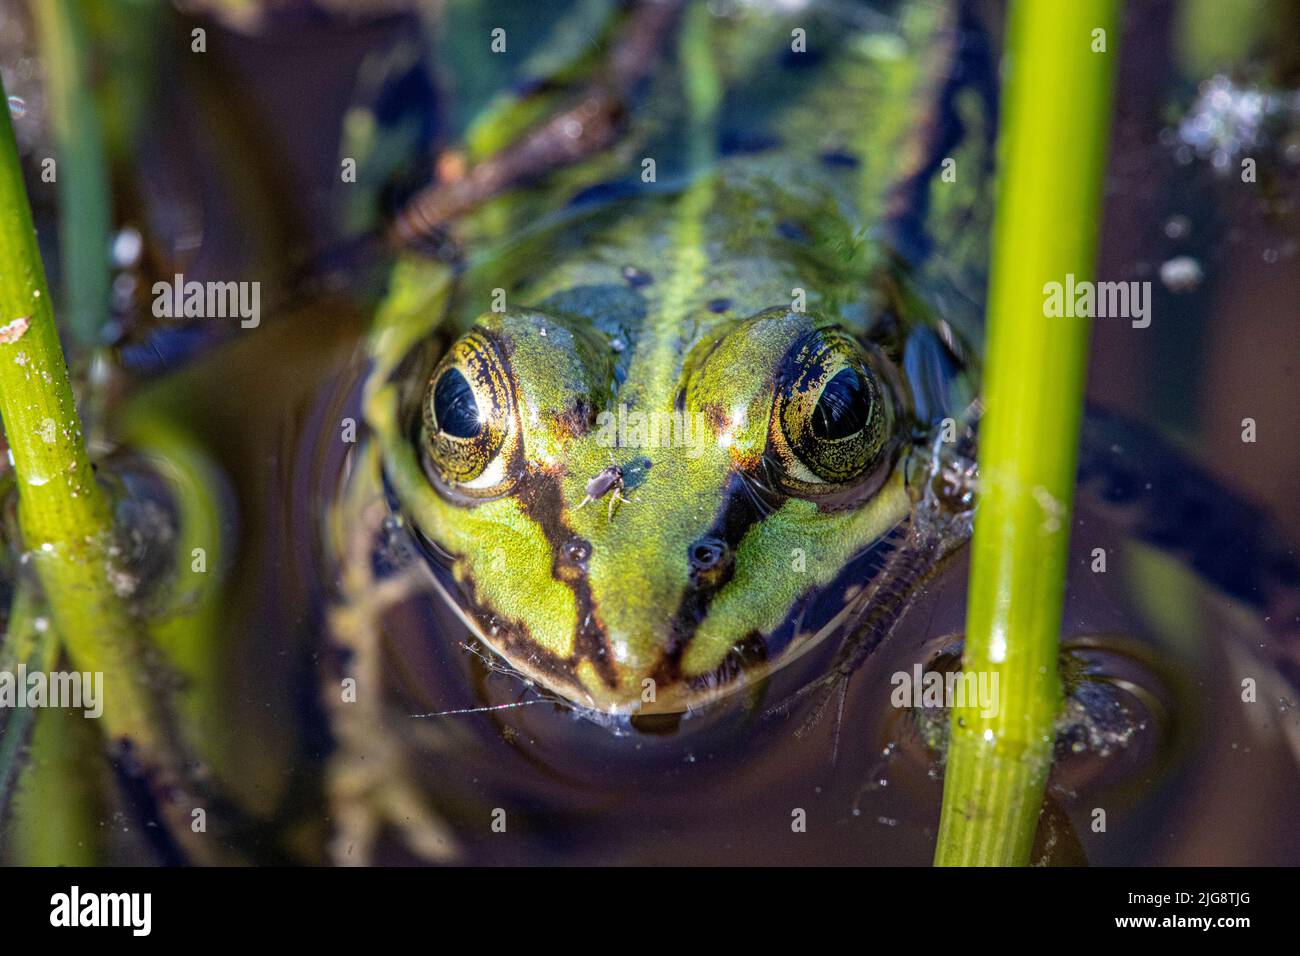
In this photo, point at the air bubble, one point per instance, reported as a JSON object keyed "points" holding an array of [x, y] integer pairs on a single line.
{"points": [[1181, 274]]}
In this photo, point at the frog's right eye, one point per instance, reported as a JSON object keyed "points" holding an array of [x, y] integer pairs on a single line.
{"points": [[833, 418], [471, 431]]}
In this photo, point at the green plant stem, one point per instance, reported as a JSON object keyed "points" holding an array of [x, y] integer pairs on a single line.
{"points": [[58, 813], [25, 642], [63, 514], [1056, 116], [82, 170], [702, 85], [64, 517]]}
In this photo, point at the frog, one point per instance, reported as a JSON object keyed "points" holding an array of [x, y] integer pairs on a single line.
{"points": [[753, 335], [658, 442], [653, 445]]}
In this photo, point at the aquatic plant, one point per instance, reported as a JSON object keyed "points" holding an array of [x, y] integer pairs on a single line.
{"points": [[1052, 151], [64, 515]]}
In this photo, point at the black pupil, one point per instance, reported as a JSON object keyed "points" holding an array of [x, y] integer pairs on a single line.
{"points": [[843, 407], [454, 406]]}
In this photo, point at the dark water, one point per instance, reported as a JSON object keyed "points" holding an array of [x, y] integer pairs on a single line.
{"points": [[1159, 737]]}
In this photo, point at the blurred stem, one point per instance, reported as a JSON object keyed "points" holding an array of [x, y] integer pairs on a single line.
{"points": [[28, 640], [703, 86], [1052, 151], [64, 517], [60, 807], [188, 630], [82, 170], [567, 56]]}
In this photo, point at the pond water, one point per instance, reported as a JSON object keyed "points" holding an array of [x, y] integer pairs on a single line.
{"points": [[324, 582]]}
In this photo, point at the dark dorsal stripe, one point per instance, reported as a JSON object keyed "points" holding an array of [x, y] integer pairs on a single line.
{"points": [[741, 510], [542, 500]]}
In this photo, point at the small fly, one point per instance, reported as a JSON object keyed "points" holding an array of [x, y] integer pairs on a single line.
{"points": [[608, 479]]}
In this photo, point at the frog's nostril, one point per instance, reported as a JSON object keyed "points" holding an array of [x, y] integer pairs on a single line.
{"points": [[707, 553], [577, 551]]}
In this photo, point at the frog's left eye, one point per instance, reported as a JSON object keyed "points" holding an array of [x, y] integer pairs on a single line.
{"points": [[833, 418], [471, 430]]}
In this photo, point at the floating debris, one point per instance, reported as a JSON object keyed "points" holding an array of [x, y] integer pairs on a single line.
{"points": [[1181, 274], [13, 331], [1228, 120], [127, 247], [1178, 227]]}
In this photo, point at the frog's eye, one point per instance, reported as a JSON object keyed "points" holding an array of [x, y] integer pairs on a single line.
{"points": [[470, 428], [832, 419]]}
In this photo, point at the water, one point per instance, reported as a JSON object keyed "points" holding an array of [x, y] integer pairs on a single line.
{"points": [[1153, 725], [1157, 734]]}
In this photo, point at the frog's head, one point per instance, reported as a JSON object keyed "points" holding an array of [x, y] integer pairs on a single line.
{"points": [[756, 470]]}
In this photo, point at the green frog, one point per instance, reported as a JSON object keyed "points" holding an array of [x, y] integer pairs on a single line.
{"points": [[648, 441], [696, 412], [663, 426], [671, 434]]}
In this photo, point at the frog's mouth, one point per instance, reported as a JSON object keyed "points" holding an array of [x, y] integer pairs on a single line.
{"points": [[597, 677]]}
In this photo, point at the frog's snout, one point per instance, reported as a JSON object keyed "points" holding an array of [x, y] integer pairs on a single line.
{"points": [[711, 561]]}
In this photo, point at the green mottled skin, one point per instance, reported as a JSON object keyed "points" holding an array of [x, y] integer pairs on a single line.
{"points": [[688, 295]]}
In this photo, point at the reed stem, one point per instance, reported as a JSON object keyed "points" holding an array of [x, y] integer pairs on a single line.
{"points": [[1052, 151], [64, 517]]}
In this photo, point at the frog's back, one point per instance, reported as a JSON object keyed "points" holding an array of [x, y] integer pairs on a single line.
{"points": [[801, 185]]}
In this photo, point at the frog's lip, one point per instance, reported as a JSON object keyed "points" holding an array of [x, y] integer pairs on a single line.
{"points": [[615, 689], [682, 695]]}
